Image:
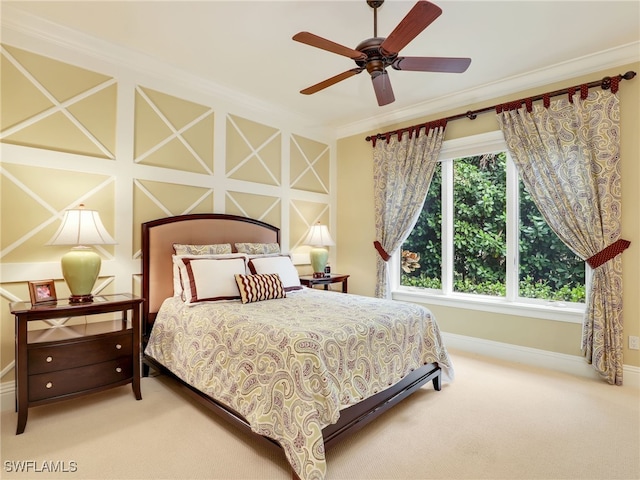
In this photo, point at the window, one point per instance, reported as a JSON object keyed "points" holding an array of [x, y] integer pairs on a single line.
{"points": [[481, 238]]}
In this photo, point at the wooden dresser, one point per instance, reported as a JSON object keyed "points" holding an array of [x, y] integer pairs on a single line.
{"points": [[63, 362]]}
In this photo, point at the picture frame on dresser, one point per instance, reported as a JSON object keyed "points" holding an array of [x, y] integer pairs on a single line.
{"points": [[42, 292]]}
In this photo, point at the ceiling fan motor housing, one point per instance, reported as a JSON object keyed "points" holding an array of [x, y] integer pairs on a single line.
{"points": [[376, 61]]}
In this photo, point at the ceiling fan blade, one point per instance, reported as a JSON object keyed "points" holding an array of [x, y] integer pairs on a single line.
{"points": [[432, 64], [382, 87], [419, 17], [330, 81], [324, 44]]}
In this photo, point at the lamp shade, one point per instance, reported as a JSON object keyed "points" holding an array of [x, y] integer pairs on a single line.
{"points": [[81, 266], [319, 236], [81, 227]]}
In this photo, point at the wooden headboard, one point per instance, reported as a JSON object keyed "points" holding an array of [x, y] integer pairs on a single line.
{"points": [[158, 237]]}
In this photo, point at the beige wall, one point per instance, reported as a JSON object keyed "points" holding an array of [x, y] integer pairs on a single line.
{"points": [[357, 256], [113, 149], [137, 147]]}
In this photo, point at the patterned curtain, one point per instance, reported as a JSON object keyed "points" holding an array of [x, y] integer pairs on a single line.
{"points": [[567, 154], [403, 169]]}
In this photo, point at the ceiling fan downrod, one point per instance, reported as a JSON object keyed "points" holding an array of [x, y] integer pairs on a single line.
{"points": [[375, 4], [375, 63]]}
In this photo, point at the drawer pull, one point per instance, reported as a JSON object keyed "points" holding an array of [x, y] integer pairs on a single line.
{"points": [[118, 369], [49, 359], [49, 385], [118, 346]]}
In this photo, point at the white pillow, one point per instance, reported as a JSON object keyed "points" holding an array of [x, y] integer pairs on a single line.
{"points": [[208, 277], [282, 265]]}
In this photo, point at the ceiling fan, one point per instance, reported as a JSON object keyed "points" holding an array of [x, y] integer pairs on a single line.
{"points": [[377, 53]]}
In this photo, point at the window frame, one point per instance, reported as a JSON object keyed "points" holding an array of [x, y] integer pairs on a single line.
{"points": [[511, 304]]}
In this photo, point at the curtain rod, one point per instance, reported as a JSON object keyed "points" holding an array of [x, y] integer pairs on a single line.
{"points": [[605, 83]]}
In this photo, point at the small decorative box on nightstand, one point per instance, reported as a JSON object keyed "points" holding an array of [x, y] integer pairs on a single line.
{"points": [[310, 280], [64, 362]]}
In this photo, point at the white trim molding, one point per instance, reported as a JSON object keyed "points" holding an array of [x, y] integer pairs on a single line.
{"points": [[560, 362], [7, 396], [599, 61]]}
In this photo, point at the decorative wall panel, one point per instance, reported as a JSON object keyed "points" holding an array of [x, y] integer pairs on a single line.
{"points": [[58, 124], [254, 151], [57, 106], [38, 198], [309, 167], [302, 215], [173, 133], [260, 207], [154, 200]]}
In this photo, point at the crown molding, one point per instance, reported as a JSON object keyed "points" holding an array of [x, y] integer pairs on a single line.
{"points": [[598, 61], [28, 31], [45, 37]]}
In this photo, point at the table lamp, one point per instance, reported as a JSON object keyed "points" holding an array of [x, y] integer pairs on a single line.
{"points": [[319, 238], [81, 265]]}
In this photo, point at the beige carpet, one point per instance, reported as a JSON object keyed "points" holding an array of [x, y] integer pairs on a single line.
{"points": [[495, 421]]}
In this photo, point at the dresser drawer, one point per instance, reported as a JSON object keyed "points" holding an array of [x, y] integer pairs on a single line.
{"points": [[55, 384], [77, 354]]}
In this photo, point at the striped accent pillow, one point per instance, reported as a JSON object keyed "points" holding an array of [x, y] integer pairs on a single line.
{"points": [[255, 288]]}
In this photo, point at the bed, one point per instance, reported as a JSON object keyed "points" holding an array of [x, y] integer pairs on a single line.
{"points": [[272, 358]]}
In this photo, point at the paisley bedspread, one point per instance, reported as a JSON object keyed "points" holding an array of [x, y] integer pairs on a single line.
{"points": [[288, 366]]}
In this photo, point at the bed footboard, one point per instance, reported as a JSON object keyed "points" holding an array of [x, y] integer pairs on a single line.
{"points": [[354, 418], [351, 419]]}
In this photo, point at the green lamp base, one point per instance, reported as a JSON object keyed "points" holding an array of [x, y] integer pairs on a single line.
{"points": [[80, 269], [319, 257]]}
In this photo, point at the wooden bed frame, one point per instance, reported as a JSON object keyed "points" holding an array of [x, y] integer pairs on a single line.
{"points": [[158, 237]]}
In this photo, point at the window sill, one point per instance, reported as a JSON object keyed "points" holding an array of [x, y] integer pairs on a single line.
{"points": [[556, 311]]}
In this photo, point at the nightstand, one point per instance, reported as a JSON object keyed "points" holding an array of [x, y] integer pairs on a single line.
{"points": [[65, 362], [310, 281]]}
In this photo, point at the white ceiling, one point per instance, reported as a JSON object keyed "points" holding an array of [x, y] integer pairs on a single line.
{"points": [[246, 46]]}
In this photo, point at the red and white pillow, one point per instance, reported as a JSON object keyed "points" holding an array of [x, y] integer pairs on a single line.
{"points": [[200, 278], [256, 288], [208, 277]]}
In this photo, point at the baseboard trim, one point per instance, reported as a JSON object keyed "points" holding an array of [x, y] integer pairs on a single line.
{"points": [[7, 396], [572, 364]]}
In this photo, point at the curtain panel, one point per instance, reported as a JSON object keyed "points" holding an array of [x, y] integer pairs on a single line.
{"points": [[403, 168], [567, 153]]}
